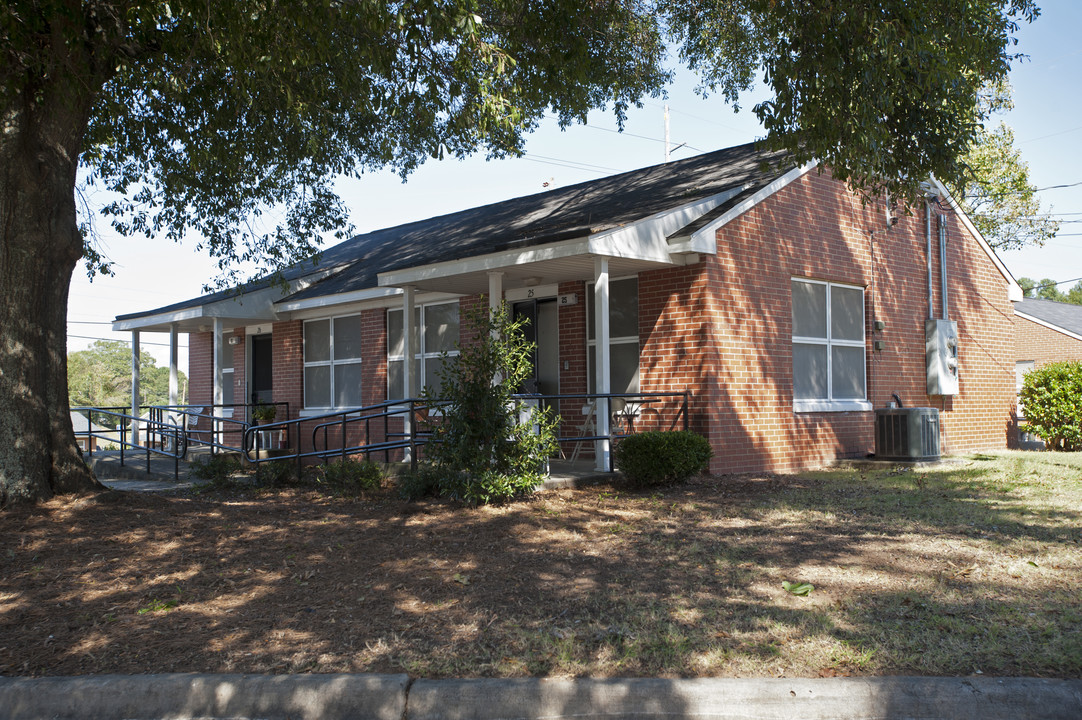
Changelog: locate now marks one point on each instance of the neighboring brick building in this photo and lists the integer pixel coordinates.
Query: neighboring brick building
(785, 307)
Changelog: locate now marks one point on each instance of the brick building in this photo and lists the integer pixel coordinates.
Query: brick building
(782, 304)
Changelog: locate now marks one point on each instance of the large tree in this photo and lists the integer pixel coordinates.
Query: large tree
(214, 116)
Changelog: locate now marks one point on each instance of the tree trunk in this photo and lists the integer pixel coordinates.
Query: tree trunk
(41, 130)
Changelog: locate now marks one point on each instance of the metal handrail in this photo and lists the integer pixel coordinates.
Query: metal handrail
(154, 427)
(413, 439)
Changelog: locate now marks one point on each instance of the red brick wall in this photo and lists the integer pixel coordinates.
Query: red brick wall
(1042, 344)
(200, 368)
(739, 304)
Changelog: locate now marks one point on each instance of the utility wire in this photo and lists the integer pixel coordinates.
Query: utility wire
(126, 342)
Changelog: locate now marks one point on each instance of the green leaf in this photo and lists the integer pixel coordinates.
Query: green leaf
(798, 588)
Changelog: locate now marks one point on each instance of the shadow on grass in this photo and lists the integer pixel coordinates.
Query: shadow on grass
(944, 572)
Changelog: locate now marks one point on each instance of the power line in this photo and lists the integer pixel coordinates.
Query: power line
(641, 137)
(126, 342)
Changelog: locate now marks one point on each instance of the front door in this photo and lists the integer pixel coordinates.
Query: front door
(542, 329)
(262, 370)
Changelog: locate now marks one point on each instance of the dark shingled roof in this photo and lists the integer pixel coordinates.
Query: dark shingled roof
(1062, 315)
(561, 214)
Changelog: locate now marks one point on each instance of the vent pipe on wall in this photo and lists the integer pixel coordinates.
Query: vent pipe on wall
(943, 263)
(928, 232)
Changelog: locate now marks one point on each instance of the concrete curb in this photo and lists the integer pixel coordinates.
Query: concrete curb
(393, 697)
(202, 697)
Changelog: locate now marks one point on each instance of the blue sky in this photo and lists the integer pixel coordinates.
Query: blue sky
(1047, 122)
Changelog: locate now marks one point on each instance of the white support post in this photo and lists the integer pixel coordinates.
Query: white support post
(174, 384)
(135, 386)
(495, 297)
(219, 392)
(409, 375)
(601, 359)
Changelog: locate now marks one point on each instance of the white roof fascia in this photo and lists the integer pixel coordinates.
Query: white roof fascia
(704, 240)
(326, 301)
(1014, 290)
(647, 239)
(138, 323)
(227, 307)
(481, 263)
(390, 300)
(1047, 324)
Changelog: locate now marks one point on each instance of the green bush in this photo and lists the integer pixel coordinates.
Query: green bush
(217, 470)
(350, 478)
(276, 473)
(652, 458)
(421, 483)
(1051, 399)
(488, 446)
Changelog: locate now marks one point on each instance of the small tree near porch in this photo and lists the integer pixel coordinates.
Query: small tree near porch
(488, 445)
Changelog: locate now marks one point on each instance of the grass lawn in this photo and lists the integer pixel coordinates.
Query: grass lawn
(968, 568)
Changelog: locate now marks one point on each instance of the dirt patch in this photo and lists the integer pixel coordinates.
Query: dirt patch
(683, 581)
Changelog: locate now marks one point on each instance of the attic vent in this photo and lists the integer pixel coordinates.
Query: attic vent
(910, 434)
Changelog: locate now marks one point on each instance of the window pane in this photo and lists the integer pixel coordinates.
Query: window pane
(441, 327)
(347, 385)
(624, 364)
(227, 387)
(809, 372)
(317, 386)
(394, 379)
(347, 337)
(847, 373)
(846, 313)
(624, 308)
(394, 333)
(623, 368)
(227, 352)
(432, 374)
(317, 341)
(809, 309)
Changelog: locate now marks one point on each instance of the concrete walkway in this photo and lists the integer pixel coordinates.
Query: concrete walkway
(396, 697)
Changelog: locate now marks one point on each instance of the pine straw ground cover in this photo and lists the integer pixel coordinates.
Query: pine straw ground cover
(974, 568)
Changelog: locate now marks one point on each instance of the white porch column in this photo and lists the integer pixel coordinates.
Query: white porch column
(219, 357)
(495, 297)
(174, 351)
(409, 375)
(495, 291)
(601, 358)
(135, 386)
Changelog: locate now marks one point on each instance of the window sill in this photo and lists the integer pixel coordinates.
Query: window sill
(825, 406)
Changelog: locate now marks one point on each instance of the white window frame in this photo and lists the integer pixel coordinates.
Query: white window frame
(422, 353)
(829, 404)
(330, 363)
(591, 374)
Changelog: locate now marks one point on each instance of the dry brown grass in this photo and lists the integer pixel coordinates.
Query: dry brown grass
(945, 572)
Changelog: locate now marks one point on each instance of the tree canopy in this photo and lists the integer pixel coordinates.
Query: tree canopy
(233, 119)
(101, 377)
(995, 189)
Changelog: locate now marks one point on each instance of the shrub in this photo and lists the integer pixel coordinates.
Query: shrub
(1051, 399)
(652, 458)
(350, 477)
(418, 484)
(217, 470)
(487, 445)
(276, 473)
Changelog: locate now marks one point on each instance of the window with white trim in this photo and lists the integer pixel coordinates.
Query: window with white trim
(829, 370)
(332, 362)
(623, 336)
(435, 339)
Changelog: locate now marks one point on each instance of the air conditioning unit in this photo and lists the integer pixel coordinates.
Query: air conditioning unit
(909, 434)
